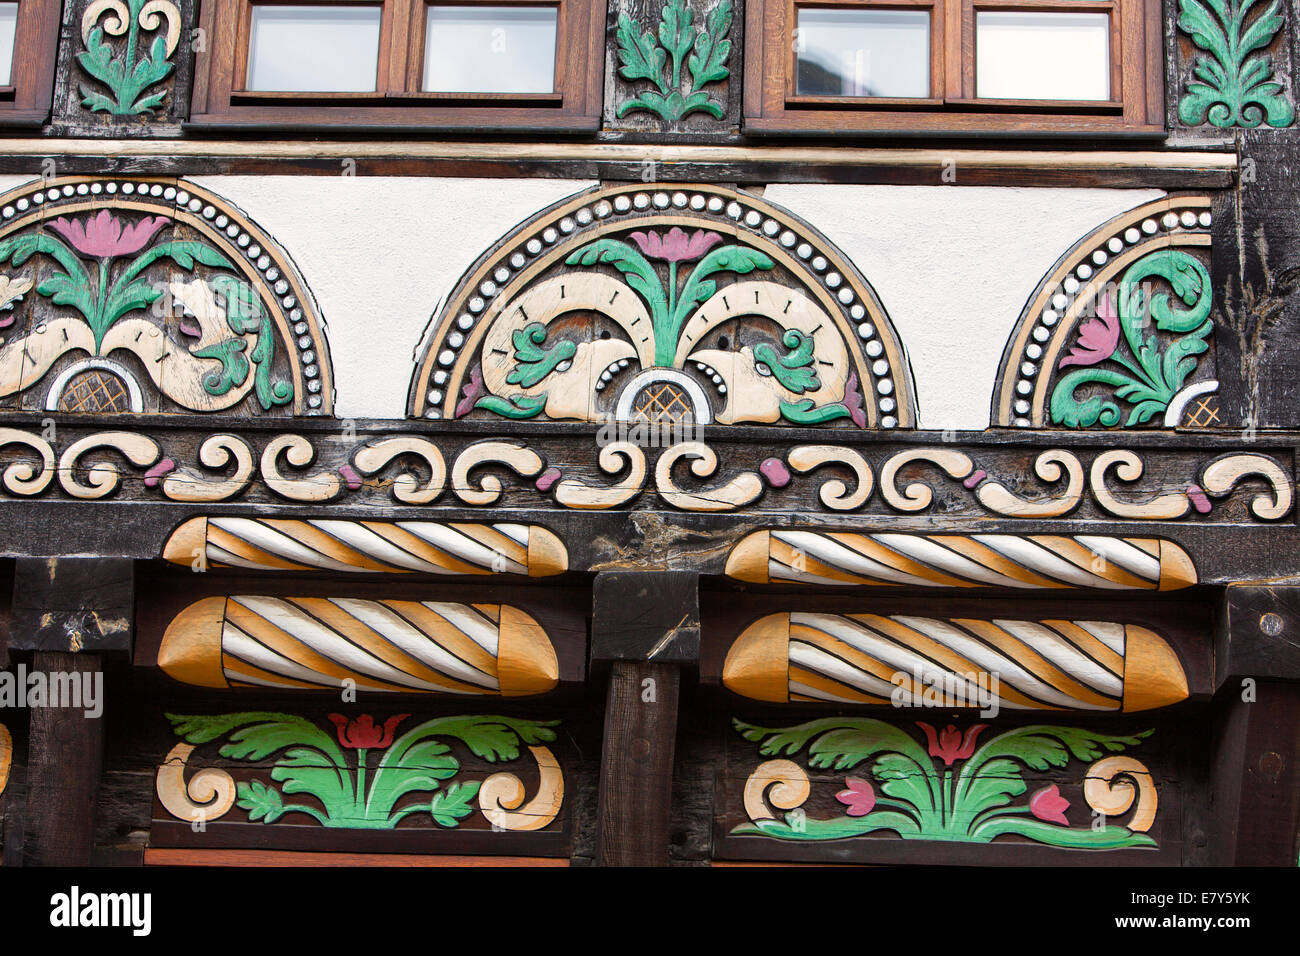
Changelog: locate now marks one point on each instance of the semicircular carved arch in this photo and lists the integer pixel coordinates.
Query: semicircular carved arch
(1119, 333)
(698, 304)
(120, 294)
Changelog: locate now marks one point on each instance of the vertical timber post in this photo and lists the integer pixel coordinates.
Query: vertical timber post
(645, 628)
(68, 612)
(1255, 764)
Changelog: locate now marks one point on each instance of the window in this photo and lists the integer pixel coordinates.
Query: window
(936, 66)
(485, 64)
(29, 33)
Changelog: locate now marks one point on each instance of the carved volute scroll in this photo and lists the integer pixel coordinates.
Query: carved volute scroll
(134, 295)
(1119, 333)
(695, 304)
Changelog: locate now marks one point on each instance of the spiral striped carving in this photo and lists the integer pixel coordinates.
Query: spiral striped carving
(426, 547)
(207, 796)
(1107, 789)
(6, 756)
(398, 646)
(501, 797)
(910, 661)
(962, 561)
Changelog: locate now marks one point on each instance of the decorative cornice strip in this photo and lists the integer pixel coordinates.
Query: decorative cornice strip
(798, 656)
(323, 544)
(399, 646)
(961, 561)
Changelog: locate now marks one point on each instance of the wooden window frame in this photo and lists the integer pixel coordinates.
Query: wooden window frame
(220, 98)
(26, 100)
(1135, 107)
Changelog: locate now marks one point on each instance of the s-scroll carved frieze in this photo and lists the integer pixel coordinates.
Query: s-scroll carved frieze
(121, 295)
(696, 305)
(1120, 333)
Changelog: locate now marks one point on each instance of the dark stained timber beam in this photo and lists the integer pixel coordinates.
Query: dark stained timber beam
(73, 604)
(65, 753)
(1255, 764)
(646, 628)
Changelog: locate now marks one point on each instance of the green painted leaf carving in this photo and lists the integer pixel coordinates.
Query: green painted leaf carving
(262, 802)
(1148, 378)
(453, 805)
(804, 412)
(129, 76)
(518, 408)
(535, 362)
(1233, 86)
(246, 315)
(636, 269)
(794, 369)
(660, 60)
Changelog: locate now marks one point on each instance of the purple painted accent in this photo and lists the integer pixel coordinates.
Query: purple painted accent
(547, 478)
(1199, 501)
(774, 470)
(350, 476)
(853, 401)
(1098, 338)
(675, 245)
(470, 393)
(979, 475)
(157, 471)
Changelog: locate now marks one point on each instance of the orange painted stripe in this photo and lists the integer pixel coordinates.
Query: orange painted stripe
(220, 538)
(831, 686)
(1036, 664)
(846, 652)
(446, 634)
(490, 537)
(891, 558)
(787, 555)
(422, 549)
(1085, 558)
(1090, 645)
(327, 544)
(985, 556)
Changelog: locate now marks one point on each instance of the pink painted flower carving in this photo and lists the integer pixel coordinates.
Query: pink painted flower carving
(949, 744)
(1048, 804)
(105, 235)
(859, 796)
(675, 246)
(1097, 337)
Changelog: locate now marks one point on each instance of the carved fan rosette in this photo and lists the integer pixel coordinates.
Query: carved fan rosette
(121, 295)
(692, 306)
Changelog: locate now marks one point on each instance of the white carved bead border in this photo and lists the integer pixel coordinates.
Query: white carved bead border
(605, 206)
(263, 255)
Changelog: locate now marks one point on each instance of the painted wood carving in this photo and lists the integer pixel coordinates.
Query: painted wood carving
(360, 772)
(681, 61)
(6, 757)
(1234, 83)
(124, 82)
(919, 782)
(150, 295)
(427, 547)
(901, 660)
(425, 647)
(961, 561)
(697, 305)
(977, 480)
(1119, 333)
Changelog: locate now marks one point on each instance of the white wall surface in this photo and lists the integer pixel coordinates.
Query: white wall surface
(378, 254)
(954, 266)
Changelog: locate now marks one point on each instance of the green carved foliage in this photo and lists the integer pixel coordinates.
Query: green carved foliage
(660, 58)
(129, 76)
(1234, 85)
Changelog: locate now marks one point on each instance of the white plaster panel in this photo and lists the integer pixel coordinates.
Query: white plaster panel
(953, 267)
(379, 254)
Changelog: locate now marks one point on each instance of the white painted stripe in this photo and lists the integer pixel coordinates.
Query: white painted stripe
(239, 644)
(837, 555)
(1108, 632)
(992, 661)
(278, 543)
(1044, 561)
(324, 641)
(460, 545)
(373, 545)
(815, 659)
(797, 688)
(930, 552)
(516, 532)
(1118, 551)
(478, 628)
(401, 634)
(1065, 656)
(222, 556)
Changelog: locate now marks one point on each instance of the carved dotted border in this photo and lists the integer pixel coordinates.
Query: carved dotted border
(181, 197)
(603, 208)
(1029, 359)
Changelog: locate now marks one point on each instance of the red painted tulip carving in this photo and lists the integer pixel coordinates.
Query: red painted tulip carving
(1048, 804)
(949, 744)
(106, 236)
(1097, 337)
(363, 733)
(859, 797)
(675, 246)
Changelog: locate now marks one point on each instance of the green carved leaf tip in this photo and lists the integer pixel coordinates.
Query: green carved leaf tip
(640, 57)
(449, 807)
(262, 802)
(534, 362)
(518, 408)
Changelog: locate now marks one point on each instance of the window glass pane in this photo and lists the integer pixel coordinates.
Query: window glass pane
(1042, 56)
(490, 50)
(863, 53)
(8, 21)
(333, 49)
